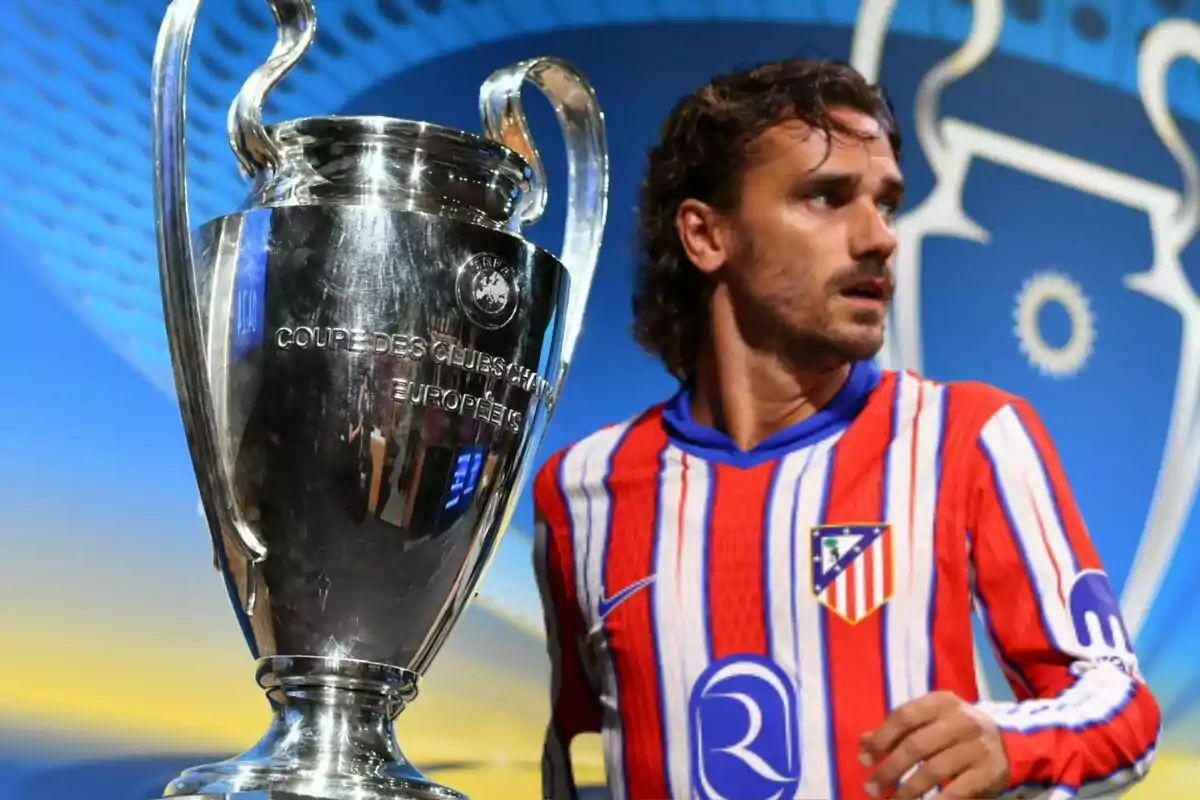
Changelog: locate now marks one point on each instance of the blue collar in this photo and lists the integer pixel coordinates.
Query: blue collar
(713, 445)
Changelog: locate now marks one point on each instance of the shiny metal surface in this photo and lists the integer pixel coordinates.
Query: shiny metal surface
(398, 163)
(370, 424)
(366, 357)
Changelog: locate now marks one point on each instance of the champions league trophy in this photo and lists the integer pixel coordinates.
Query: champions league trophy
(366, 357)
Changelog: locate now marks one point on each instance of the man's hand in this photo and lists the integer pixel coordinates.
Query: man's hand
(951, 743)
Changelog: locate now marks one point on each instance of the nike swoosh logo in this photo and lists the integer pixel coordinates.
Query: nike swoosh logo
(607, 604)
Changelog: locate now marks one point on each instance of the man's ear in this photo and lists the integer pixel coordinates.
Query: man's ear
(703, 234)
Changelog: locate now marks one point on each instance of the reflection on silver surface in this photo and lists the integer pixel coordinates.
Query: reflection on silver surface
(366, 357)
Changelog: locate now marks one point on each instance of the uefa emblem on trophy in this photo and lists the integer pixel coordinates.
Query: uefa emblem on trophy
(366, 357)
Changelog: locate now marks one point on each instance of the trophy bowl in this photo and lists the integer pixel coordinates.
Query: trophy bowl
(366, 357)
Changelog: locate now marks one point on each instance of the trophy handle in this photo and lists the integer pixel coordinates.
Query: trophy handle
(582, 124)
(296, 26)
(177, 276)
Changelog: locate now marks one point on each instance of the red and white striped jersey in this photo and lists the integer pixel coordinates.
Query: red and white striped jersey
(732, 622)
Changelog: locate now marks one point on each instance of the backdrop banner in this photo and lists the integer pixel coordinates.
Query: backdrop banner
(1047, 247)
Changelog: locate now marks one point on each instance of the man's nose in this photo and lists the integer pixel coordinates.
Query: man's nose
(872, 235)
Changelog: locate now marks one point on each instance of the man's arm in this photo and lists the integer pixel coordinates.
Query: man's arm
(574, 707)
(1085, 723)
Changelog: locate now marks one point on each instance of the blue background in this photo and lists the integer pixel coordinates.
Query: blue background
(120, 661)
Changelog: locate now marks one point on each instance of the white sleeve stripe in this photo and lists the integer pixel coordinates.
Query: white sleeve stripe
(583, 483)
(1025, 496)
(1096, 697)
(572, 478)
(581, 479)
(1039, 482)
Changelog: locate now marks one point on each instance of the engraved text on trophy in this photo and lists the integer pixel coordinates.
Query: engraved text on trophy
(417, 348)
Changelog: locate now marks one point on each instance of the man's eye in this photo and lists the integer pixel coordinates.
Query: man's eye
(821, 200)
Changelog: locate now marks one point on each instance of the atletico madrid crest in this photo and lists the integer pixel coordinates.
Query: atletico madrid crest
(852, 568)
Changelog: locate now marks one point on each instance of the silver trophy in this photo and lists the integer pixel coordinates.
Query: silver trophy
(366, 357)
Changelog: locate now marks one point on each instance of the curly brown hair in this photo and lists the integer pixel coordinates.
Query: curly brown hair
(701, 154)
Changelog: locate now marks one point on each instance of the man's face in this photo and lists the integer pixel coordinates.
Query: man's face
(810, 270)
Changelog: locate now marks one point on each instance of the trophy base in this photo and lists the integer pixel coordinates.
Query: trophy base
(331, 739)
(393, 787)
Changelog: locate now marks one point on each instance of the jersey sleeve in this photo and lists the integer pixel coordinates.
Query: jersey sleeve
(1085, 724)
(574, 706)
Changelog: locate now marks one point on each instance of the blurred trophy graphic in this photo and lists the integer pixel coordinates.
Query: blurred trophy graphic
(366, 357)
